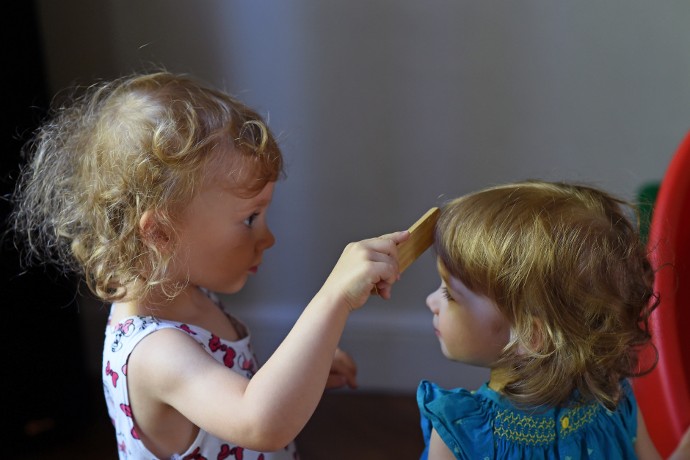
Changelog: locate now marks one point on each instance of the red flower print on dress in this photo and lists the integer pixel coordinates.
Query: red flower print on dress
(187, 329)
(196, 455)
(238, 452)
(126, 409)
(123, 329)
(215, 345)
(224, 452)
(246, 364)
(113, 375)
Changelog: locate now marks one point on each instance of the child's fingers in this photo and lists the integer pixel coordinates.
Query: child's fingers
(383, 252)
(388, 243)
(386, 247)
(366, 265)
(397, 237)
(385, 273)
(335, 381)
(383, 289)
(343, 371)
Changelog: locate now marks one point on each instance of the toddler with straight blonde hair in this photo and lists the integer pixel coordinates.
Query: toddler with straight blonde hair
(549, 286)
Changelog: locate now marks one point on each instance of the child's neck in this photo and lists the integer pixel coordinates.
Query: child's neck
(186, 303)
(190, 306)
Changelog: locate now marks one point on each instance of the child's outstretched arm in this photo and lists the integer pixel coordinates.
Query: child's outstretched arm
(268, 411)
(438, 450)
(682, 451)
(644, 447)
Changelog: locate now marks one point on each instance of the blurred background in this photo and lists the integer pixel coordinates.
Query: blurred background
(383, 109)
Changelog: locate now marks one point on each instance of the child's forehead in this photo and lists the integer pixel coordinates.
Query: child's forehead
(241, 174)
(227, 170)
(217, 195)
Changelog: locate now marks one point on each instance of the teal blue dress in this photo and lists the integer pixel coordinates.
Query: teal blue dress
(483, 425)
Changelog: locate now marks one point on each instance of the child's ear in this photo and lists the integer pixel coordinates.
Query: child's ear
(535, 343)
(153, 232)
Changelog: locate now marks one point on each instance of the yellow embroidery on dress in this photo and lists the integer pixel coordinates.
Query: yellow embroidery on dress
(578, 417)
(535, 430)
(524, 429)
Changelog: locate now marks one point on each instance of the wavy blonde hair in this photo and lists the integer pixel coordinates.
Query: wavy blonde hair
(565, 265)
(120, 148)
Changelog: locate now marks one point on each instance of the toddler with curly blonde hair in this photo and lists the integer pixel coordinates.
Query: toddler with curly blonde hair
(155, 188)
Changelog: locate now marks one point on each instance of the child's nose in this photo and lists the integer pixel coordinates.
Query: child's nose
(268, 240)
(432, 301)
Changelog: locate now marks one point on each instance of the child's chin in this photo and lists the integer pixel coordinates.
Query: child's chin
(446, 353)
(233, 288)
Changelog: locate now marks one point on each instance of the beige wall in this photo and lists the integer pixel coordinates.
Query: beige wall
(385, 108)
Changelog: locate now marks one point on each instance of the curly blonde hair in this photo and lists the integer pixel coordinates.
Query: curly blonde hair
(565, 265)
(120, 148)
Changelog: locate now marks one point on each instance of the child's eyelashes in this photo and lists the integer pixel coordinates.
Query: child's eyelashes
(446, 294)
(249, 221)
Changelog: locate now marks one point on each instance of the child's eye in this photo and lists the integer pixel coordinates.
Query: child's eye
(250, 220)
(446, 294)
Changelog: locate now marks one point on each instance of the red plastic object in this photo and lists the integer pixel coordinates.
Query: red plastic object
(664, 394)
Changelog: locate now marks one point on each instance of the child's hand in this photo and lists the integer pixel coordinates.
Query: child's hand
(366, 266)
(343, 371)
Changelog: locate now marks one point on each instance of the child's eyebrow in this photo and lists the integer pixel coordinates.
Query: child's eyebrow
(251, 204)
(261, 202)
(459, 290)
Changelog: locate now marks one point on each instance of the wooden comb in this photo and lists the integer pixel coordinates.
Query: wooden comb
(421, 237)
